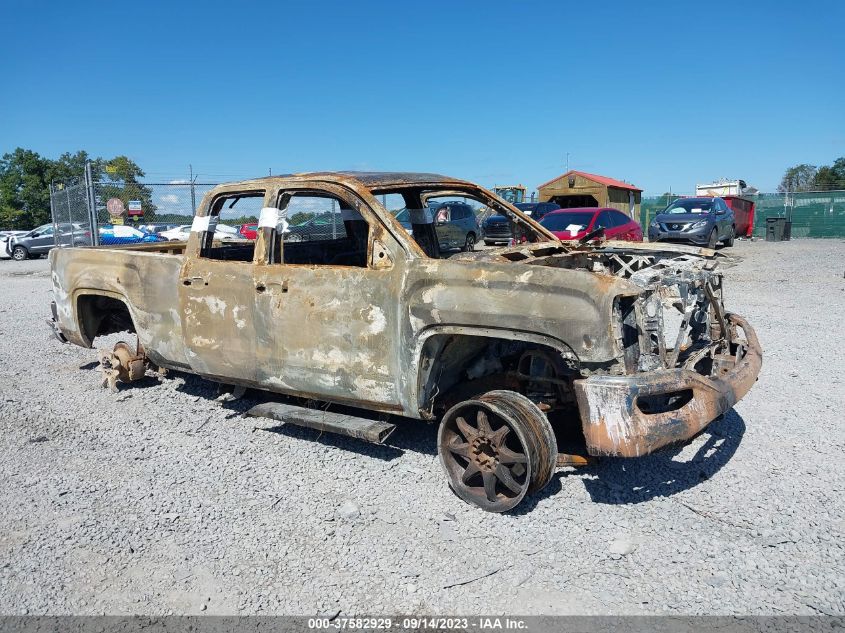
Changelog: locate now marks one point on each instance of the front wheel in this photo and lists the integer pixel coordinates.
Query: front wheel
(714, 239)
(469, 244)
(731, 236)
(19, 253)
(495, 449)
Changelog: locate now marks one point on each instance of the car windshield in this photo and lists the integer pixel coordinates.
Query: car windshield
(691, 205)
(567, 221)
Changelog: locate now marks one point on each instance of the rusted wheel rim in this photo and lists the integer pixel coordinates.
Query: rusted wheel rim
(484, 455)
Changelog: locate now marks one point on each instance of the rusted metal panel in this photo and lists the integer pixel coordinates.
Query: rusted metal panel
(615, 423)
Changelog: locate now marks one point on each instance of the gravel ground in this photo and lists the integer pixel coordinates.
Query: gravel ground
(160, 499)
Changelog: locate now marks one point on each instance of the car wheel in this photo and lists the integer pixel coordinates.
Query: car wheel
(294, 237)
(731, 236)
(469, 245)
(19, 253)
(714, 239)
(496, 448)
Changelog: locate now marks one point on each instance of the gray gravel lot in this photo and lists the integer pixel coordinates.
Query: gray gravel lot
(160, 499)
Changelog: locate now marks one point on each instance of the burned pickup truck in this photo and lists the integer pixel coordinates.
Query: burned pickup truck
(630, 342)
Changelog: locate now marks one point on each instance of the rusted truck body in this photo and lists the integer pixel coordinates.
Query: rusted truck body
(631, 338)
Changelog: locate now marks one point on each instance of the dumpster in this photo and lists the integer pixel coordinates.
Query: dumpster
(778, 229)
(743, 209)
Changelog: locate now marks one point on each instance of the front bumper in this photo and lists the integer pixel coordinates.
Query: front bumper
(696, 236)
(615, 424)
(497, 235)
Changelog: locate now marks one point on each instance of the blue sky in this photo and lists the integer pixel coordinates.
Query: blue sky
(663, 95)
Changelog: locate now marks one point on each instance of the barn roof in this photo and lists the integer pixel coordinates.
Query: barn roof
(604, 180)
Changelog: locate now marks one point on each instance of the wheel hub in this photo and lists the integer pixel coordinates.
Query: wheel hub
(484, 453)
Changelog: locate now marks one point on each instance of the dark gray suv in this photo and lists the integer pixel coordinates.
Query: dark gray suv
(40, 240)
(455, 224)
(699, 221)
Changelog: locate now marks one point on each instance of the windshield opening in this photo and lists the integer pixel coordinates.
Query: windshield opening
(446, 220)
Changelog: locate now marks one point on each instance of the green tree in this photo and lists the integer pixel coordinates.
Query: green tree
(830, 177)
(798, 178)
(300, 216)
(24, 189)
(25, 178)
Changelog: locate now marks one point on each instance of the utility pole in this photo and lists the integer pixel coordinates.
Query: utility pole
(567, 161)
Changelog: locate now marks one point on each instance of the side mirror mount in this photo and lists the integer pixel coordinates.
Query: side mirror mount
(381, 258)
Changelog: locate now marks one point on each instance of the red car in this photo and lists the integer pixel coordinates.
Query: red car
(573, 224)
(248, 231)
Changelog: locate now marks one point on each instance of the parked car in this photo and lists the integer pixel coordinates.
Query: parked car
(497, 230)
(183, 232)
(455, 224)
(40, 240)
(537, 209)
(226, 232)
(248, 231)
(121, 234)
(4, 238)
(324, 226)
(573, 224)
(155, 228)
(701, 221)
(177, 234)
(403, 216)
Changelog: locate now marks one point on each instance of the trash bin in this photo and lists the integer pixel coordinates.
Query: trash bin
(778, 229)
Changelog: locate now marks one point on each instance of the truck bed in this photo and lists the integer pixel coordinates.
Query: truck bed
(145, 277)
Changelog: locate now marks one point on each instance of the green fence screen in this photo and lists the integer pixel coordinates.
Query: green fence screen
(812, 213)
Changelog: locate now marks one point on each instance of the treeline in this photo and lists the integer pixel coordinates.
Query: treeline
(25, 178)
(805, 177)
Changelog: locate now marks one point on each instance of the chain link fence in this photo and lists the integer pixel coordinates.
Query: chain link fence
(128, 212)
(89, 212)
(71, 218)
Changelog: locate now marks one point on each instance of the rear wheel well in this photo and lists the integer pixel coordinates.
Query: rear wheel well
(455, 367)
(99, 315)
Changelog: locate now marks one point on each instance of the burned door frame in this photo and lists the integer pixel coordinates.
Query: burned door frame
(216, 299)
(349, 332)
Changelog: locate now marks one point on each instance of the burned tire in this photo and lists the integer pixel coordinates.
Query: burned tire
(495, 449)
